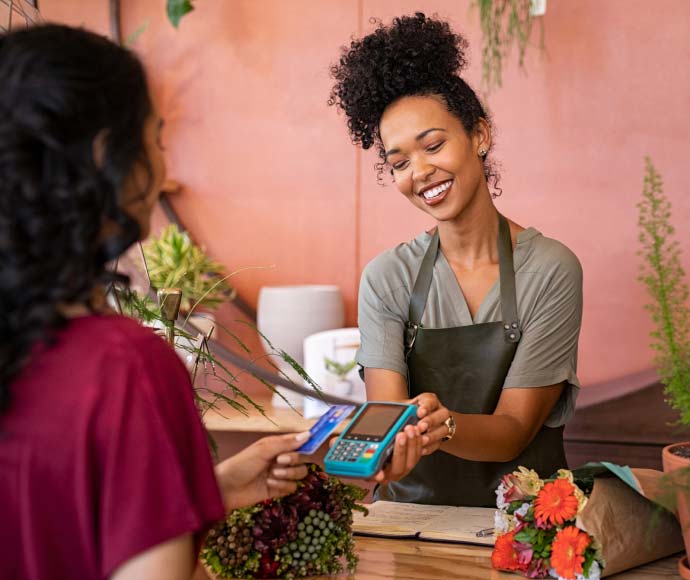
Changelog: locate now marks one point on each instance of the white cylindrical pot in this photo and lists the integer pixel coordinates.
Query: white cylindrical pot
(286, 315)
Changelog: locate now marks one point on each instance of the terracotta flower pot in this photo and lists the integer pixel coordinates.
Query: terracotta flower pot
(672, 462)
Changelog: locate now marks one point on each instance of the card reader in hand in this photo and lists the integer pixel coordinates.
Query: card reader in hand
(366, 444)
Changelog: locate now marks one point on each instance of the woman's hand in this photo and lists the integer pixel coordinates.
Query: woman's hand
(267, 468)
(432, 421)
(406, 453)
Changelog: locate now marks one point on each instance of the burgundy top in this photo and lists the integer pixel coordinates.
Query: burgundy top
(102, 454)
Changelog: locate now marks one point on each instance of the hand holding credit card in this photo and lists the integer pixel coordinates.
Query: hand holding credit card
(323, 428)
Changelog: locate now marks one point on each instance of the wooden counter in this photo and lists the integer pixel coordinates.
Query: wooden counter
(381, 558)
(416, 560)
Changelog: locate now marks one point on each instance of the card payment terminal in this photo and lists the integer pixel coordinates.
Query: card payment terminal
(367, 442)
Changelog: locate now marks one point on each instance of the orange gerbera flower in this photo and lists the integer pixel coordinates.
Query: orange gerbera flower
(556, 502)
(567, 551)
(505, 556)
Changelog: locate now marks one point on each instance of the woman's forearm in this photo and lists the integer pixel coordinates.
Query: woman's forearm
(487, 437)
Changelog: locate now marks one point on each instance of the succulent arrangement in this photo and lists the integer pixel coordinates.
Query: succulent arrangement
(306, 533)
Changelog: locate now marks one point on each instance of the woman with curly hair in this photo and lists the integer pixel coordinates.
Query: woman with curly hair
(476, 321)
(105, 470)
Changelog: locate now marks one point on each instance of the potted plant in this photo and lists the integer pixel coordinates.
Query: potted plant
(342, 385)
(174, 261)
(663, 275)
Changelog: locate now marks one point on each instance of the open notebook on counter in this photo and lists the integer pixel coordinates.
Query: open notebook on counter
(465, 525)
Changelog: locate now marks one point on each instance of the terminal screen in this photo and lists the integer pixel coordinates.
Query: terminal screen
(376, 421)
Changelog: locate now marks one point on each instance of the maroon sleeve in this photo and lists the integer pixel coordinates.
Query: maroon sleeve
(156, 475)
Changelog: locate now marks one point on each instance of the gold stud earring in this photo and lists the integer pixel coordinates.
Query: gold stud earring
(482, 152)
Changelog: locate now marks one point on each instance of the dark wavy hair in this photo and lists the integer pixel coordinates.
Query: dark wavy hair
(61, 88)
(415, 55)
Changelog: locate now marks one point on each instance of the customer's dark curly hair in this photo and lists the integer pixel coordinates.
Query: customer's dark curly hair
(415, 55)
(61, 88)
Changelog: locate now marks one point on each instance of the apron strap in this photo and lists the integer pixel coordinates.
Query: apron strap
(509, 312)
(420, 292)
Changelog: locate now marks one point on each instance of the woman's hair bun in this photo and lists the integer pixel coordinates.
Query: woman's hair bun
(413, 55)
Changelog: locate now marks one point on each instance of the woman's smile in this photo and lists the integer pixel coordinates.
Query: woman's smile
(435, 192)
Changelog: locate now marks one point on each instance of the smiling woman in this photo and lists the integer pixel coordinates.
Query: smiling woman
(476, 321)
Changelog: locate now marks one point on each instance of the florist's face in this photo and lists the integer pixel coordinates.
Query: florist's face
(435, 163)
(144, 184)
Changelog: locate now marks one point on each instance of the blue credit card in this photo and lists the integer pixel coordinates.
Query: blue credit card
(326, 424)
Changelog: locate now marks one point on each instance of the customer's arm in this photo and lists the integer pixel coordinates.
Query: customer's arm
(268, 468)
(171, 560)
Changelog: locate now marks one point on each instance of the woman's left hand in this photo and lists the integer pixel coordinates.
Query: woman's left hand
(432, 421)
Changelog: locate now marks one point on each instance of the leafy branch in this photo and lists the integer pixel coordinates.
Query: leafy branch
(663, 275)
(177, 9)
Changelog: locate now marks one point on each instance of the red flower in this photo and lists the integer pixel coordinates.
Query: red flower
(506, 555)
(567, 551)
(556, 503)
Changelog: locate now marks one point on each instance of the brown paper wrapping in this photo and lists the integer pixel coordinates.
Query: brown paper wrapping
(631, 529)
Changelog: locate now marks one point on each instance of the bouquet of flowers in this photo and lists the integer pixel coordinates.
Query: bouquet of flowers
(584, 524)
(302, 534)
(538, 525)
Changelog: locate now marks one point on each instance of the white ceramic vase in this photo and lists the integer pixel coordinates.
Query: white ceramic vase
(286, 315)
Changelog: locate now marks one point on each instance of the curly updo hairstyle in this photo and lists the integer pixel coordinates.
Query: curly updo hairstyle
(61, 88)
(414, 56)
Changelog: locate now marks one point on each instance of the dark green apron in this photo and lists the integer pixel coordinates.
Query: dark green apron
(466, 368)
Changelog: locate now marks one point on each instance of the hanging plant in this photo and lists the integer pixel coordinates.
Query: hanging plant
(504, 23)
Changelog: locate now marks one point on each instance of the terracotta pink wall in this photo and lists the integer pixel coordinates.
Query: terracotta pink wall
(271, 179)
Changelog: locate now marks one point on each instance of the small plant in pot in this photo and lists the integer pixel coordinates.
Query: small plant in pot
(664, 277)
(342, 386)
(173, 260)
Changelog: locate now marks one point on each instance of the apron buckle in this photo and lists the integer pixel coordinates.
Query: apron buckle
(410, 335)
(512, 331)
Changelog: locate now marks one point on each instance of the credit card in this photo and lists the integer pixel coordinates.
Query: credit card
(326, 424)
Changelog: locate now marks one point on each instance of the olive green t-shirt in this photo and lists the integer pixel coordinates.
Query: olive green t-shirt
(548, 279)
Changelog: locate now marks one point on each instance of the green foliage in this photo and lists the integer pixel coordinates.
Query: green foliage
(663, 275)
(174, 261)
(503, 24)
(135, 306)
(177, 9)
(340, 370)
